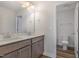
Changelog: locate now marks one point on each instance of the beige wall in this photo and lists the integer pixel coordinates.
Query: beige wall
(7, 20)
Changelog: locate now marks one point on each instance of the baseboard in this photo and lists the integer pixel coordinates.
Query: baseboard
(49, 55)
(69, 47)
(46, 54)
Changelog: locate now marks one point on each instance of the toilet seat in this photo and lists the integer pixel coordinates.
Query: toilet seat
(64, 42)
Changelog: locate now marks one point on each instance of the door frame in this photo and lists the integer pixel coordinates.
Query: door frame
(57, 26)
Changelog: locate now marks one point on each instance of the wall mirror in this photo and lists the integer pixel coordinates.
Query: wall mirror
(17, 17)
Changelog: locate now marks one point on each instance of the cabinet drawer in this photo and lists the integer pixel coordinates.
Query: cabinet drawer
(37, 39)
(25, 52)
(8, 48)
(11, 55)
(24, 43)
(14, 46)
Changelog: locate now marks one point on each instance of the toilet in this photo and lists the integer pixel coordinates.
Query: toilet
(64, 45)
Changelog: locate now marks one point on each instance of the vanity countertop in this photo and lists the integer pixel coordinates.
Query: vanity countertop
(12, 40)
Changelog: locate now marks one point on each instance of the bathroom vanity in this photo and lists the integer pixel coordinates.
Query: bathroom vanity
(31, 47)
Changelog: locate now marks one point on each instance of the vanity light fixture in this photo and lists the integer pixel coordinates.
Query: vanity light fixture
(26, 4)
(32, 6)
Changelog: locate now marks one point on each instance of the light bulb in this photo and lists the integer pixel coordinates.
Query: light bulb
(23, 6)
(26, 4)
(32, 7)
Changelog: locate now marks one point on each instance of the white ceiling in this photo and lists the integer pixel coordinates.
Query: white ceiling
(16, 5)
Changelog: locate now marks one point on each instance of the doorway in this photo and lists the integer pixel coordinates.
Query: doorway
(65, 30)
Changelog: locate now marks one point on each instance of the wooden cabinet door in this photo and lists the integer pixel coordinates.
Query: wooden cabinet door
(37, 49)
(41, 47)
(25, 52)
(11, 55)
